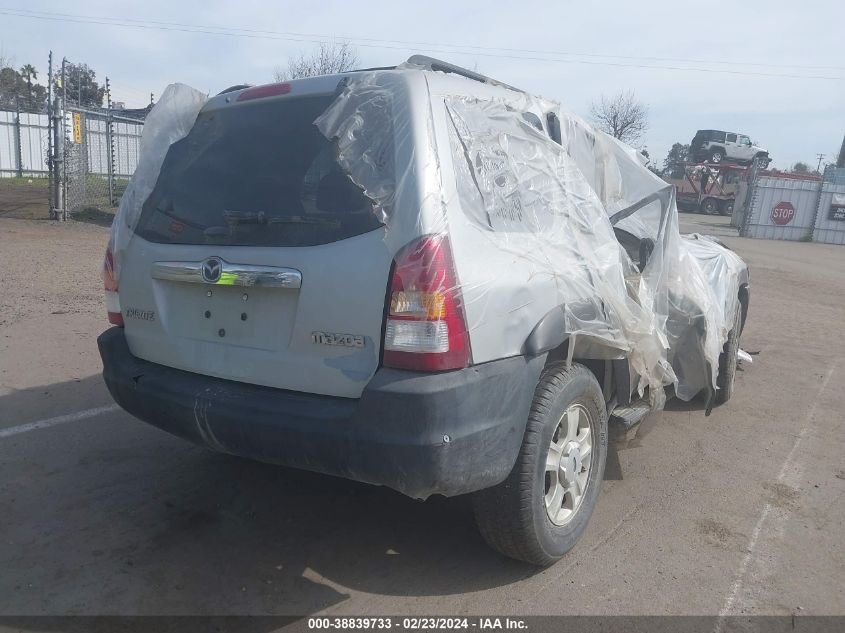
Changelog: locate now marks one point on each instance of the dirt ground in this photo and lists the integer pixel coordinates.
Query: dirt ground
(737, 513)
(24, 198)
(29, 198)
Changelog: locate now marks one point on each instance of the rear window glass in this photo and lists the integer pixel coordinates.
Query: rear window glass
(258, 174)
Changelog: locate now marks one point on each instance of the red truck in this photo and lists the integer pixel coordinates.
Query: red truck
(708, 188)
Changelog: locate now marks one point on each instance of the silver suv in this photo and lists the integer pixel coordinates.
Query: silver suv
(415, 277)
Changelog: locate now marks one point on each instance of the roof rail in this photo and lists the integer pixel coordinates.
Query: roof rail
(436, 64)
(366, 70)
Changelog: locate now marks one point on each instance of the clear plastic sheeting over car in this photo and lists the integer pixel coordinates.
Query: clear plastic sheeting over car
(579, 222)
(379, 144)
(464, 177)
(522, 191)
(168, 122)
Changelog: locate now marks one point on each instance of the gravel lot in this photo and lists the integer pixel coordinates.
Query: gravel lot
(738, 513)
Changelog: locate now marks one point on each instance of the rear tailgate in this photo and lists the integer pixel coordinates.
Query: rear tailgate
(275, 336)
(256, 259)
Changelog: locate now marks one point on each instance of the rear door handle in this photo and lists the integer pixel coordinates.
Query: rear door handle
(217, 271)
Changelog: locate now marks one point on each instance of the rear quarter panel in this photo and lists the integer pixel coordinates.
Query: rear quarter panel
(505, 294)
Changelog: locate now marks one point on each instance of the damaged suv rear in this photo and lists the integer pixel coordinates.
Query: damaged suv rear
(415, 277)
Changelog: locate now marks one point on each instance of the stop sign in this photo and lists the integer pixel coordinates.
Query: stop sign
(783, 213)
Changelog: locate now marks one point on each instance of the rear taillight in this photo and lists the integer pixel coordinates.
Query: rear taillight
(110, 286)
(426, 327)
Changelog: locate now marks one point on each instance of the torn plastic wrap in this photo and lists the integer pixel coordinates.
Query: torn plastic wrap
(169, 121)
(690, 282)
(535, 226)
(375, 122)
(492, 225)
(515, 180)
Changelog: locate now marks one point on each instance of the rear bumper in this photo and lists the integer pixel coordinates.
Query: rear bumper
(421, 434)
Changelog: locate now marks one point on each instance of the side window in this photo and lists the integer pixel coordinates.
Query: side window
(501, 184)
(554, 127)
(533, 120)
(731, 138)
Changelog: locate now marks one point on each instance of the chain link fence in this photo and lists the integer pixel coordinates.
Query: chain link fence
(100, 154)
(67, 144)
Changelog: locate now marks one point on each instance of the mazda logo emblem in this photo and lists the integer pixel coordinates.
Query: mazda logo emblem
(212, 268)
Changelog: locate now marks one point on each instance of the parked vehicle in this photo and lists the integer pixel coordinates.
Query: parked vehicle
(708, 188)
(716, 146)
(415, 277)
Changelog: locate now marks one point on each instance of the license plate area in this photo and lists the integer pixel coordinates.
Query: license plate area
(254, 317)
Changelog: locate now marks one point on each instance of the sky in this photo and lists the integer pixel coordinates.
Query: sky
(774, 70)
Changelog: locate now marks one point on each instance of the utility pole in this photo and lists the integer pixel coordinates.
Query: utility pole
(821, 158)
(152, 101)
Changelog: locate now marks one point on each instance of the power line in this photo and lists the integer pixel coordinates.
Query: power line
(389, 44)
(322, 37)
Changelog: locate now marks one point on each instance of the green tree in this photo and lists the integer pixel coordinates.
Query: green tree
(801, 168)
(16, 91)
(673, 164)
(81, 87)
(29, 73)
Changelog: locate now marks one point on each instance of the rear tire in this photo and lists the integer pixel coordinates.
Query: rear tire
(709, 206)
(728, 360)
(717, 155)
(727, 207)
(521, 517)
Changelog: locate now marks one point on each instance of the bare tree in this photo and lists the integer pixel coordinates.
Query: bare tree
(6, 60)
(621, 115)
(328, 59)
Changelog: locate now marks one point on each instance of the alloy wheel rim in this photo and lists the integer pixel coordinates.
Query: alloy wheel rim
(568, 464)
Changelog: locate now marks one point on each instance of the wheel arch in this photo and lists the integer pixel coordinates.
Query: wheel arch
(550, 337)
(744, 299)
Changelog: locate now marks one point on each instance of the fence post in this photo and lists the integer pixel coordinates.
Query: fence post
(110, 155)
(62, 169)
(750, 195)
(58, 211)
(50, 133)
(82, 167)
(110, 144)
(18, 150)
(811, 233)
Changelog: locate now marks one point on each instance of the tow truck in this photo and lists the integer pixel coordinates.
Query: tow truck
(708, 188)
